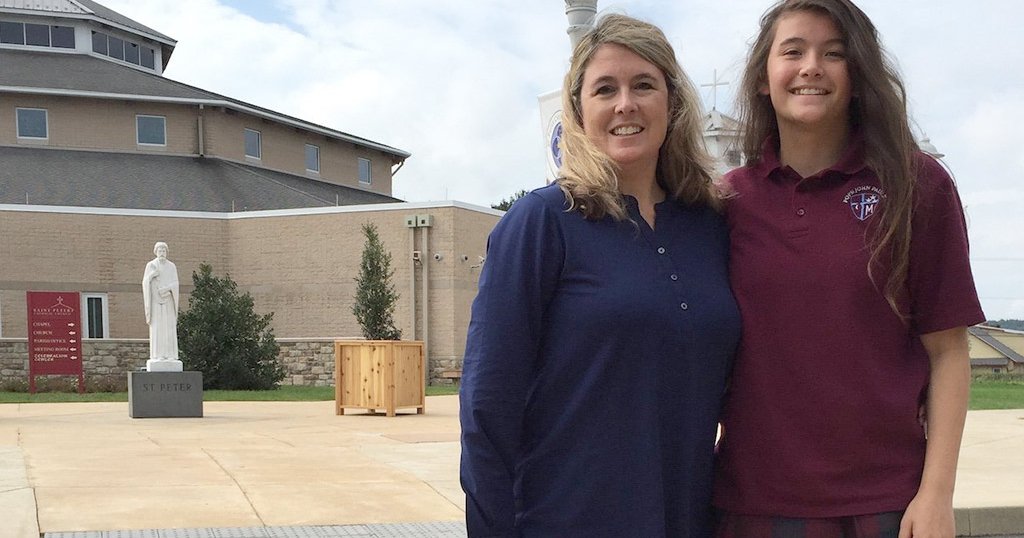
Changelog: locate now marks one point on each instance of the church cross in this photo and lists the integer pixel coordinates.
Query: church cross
(714, 89)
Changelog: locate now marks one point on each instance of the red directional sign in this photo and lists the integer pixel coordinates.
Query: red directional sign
(54, 335)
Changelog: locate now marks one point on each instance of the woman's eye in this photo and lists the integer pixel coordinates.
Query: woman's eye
(603, 90)
(644, 86)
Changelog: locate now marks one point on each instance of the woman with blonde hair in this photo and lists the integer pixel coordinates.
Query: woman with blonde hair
(849, 263)
(604, 327)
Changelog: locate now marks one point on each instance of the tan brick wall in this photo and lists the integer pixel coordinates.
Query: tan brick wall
(284, 149)
(300, 266)
(101, 254)
(100, 124)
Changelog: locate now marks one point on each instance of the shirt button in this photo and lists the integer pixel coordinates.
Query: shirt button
(674, 276)
(661, 250)
(801, 212)
(684, 306)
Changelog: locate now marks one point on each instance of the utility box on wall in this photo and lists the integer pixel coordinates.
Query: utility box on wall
(379, 374)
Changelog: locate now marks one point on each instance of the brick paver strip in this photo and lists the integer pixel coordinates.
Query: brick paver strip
(445, 529)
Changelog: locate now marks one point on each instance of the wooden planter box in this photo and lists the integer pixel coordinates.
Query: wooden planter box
(379, 374)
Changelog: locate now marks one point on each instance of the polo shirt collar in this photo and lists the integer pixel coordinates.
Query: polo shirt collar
(851, 162)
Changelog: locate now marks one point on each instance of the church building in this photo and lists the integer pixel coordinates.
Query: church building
(102, 156)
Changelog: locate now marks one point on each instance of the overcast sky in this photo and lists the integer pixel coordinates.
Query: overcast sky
(455, 83)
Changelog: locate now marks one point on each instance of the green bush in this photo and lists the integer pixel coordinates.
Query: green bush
(375, 294)
(223, 337)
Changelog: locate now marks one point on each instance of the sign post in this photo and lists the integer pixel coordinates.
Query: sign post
(54, 336)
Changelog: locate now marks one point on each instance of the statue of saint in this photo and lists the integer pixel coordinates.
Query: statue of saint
(160, 296)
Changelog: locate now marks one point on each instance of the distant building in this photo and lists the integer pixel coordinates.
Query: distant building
(103, 156)
(996, 351)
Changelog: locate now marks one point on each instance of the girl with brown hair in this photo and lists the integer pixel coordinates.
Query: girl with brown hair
(849, 263)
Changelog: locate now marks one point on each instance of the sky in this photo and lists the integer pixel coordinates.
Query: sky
(456, 82)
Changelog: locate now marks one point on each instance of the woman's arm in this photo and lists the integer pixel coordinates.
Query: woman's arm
(524, 259)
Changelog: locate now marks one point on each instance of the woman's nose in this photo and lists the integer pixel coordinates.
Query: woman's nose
(625, 103)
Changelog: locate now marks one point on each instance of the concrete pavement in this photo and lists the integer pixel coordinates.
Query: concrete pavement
(67, 469)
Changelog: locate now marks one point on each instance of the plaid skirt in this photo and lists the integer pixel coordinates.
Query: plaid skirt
(884, 525)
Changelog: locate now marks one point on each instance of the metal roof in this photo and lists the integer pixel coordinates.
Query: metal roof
(81, 75)
(43, 176)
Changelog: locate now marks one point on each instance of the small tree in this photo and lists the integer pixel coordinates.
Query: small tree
(223, 337)
(375, 294)
(505, 205)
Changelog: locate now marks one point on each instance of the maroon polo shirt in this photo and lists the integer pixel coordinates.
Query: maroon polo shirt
(821, 414)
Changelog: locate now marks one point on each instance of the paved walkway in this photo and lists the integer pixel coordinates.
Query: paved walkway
(296, 470)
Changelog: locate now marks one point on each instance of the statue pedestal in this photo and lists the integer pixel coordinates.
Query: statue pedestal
(163, 365)
(165, 394)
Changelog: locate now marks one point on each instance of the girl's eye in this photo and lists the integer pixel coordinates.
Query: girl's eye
(791, 52)
(836, 54)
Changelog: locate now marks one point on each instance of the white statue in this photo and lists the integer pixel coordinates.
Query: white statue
(160, 296)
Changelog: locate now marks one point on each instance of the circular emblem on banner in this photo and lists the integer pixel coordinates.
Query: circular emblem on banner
(556, 138)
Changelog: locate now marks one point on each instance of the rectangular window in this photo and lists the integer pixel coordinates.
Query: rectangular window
(37, 34)
(95, 315)
(62, 37)
(99, 43)
(312, 158)
(12, 33)
(115, 47)
(364, 171)
(32, 123)
(253, 144)
(151, 130)
(148, 58)
(131, 53)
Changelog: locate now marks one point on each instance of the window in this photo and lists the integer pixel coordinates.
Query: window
(732, 157)
(95, 316)
(37, 35)
(151, 130)
(115, 47)
(99, 43)
(312, 158)
(253, 144)
(364, 171)
(62, 37)
(12, 33)
(131, 53)
(32, 123)
(148, 58)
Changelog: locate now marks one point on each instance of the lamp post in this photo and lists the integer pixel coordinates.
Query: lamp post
(581, 15)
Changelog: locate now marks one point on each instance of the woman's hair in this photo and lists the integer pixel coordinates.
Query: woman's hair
(588, 176)
(878, 109)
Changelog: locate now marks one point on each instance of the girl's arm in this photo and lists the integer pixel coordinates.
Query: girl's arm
(930, 513)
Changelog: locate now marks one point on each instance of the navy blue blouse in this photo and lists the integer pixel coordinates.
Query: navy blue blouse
(594, 370)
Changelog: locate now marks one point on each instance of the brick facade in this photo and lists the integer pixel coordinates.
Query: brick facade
(298, 264)
(109, 125)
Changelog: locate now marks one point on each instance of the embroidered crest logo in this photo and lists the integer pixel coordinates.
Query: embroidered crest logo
(864, 201)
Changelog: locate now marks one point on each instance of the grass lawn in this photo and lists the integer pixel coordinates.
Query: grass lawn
(992, 394)
(287, 393)
(985, 394)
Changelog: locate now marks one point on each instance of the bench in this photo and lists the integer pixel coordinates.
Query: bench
(455, 375)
